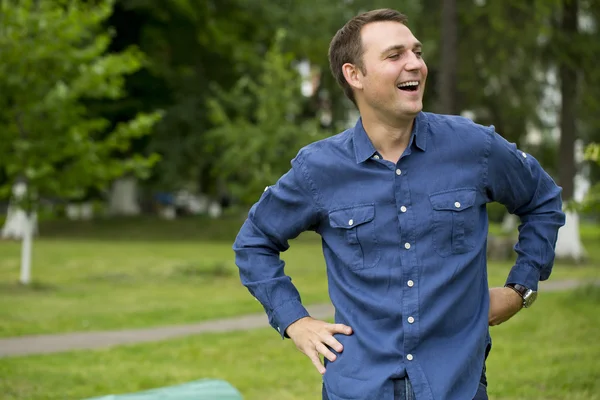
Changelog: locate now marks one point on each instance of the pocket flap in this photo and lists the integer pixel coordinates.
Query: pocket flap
(348, 218)
(456, 200)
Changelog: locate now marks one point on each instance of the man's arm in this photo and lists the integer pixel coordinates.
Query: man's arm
(284, 210)
(516, 180)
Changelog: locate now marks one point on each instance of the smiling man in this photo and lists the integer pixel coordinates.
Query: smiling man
(400, 203)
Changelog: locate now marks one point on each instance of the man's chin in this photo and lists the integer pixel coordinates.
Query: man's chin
(411, 109)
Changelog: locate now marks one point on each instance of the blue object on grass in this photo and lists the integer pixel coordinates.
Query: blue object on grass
(205, 389)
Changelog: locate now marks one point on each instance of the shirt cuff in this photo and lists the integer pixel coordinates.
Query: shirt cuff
(525, 275)
(286, 314)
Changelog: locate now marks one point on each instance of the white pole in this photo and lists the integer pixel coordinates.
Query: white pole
(26, 249)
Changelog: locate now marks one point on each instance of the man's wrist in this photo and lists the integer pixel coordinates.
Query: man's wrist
(515, 297)
(292, 326)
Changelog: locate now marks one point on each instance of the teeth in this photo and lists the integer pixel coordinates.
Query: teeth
(411, 83)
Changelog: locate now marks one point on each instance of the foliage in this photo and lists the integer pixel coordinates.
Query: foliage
(591, 202)
(258, 130)
(53, 63)
(191, 45)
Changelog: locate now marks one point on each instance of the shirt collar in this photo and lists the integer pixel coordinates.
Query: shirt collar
(364, 149)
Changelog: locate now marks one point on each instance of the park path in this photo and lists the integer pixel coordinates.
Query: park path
(45, 344)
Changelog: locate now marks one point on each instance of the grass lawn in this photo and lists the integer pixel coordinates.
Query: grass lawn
(140, 273)
(548, 352)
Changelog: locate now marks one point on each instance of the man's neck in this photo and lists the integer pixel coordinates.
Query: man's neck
(390, 138)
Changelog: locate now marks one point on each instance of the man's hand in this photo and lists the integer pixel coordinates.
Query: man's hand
(504, 303)
(312, 337)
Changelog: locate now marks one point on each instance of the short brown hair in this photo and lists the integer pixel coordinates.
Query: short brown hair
(346, 45)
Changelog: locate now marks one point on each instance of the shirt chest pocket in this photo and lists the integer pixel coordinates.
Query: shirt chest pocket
(355, 227)
(454, 221)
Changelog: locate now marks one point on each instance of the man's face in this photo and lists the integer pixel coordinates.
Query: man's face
(394, 81)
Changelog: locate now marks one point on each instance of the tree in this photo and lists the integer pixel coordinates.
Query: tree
(591, 202)
(190, 44)
(257, 130)
(53, 64)
(449, 59)
(566, 56)
(569, 78)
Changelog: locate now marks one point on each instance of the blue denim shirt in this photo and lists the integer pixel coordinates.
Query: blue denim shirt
(405, 248)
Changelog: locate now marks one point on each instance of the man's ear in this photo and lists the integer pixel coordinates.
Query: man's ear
(353, 75)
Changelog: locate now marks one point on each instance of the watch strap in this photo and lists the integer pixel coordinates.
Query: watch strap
(526, 294)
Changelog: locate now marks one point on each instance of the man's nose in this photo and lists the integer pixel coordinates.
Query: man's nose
(414, 63)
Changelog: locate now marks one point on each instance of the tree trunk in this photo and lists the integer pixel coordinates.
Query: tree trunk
(123, 198)
(568, 244)
(449, 63)
(18, 219)
(26, 245)
(21, 224)
(568, 90)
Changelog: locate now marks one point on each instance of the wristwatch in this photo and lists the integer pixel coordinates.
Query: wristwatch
(527, 294)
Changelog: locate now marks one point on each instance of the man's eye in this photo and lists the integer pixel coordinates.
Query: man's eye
(393, 56)
(419, 54)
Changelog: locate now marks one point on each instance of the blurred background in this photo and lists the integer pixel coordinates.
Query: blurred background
(136, 134)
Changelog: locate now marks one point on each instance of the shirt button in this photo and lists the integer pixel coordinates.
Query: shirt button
(411, 320)
(457, 204)
(523, 154)
(407, 246)
(376, 157)
(410, 283)
(398, 171)
(409, 357)
(403, 209)
(351, 222)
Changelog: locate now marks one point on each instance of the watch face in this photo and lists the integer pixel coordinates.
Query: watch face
(529, 298)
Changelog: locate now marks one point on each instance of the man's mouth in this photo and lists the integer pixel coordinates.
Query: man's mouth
(409, 86)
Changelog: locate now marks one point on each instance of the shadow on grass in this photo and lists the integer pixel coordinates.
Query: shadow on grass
(197, 271)
(34, 287)
(143, 229)
(148, 229)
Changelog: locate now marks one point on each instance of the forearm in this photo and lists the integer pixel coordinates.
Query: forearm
(262, 273)
(284, 211)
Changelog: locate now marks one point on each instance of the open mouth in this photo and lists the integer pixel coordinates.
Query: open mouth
(410, 86)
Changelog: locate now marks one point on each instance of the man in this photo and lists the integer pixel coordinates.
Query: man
(400, 203)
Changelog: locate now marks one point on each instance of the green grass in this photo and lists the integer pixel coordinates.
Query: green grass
(548, 352)
(111, 275)
(84, 285)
